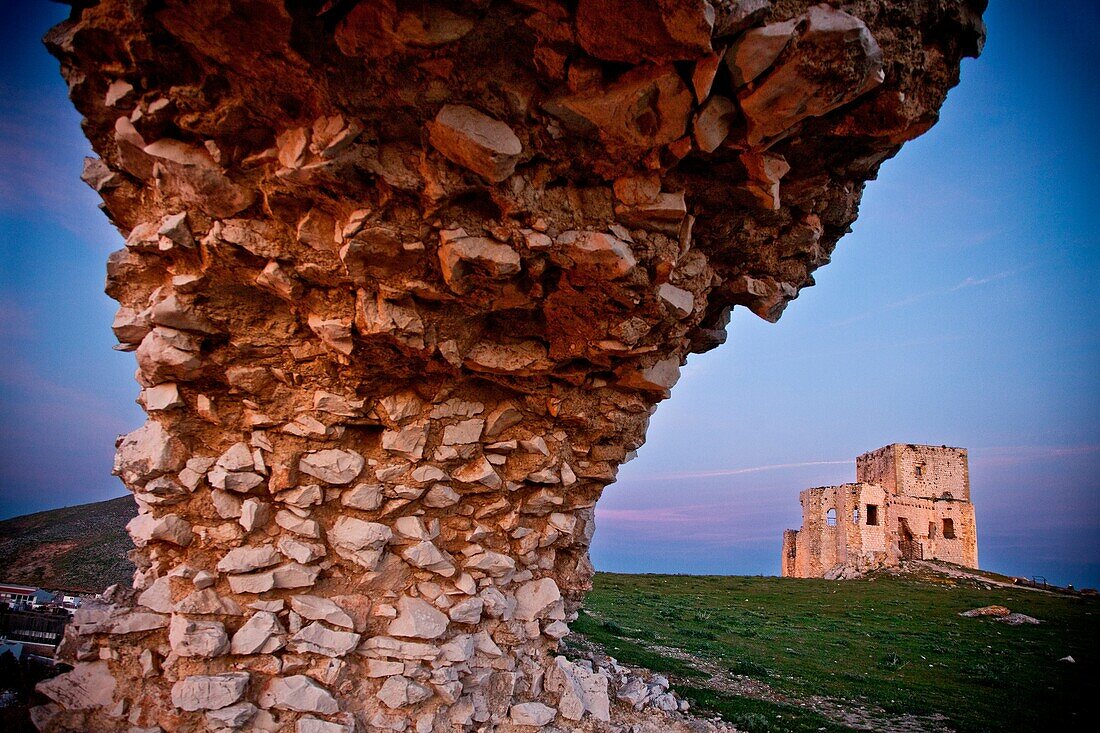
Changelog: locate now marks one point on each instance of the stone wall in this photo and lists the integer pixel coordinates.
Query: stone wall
(404, 282)
(917, 470)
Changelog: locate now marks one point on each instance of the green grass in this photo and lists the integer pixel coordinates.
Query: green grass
(896, 642)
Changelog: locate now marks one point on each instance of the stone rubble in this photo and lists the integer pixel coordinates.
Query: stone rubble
(404, 283)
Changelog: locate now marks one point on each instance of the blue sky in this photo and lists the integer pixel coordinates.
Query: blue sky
(961, 310)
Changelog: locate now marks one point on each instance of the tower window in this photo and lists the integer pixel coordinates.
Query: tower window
(948, 529)
(919, 471)
(830, 517)
(855, 515)
(872, 514)
(932, 530)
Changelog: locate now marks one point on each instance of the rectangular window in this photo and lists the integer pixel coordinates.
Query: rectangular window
(920, 471)
(872, 514)
(932, 530)
(948, 529)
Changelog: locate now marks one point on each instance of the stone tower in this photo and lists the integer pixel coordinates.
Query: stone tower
(404, 281)
(909, 502)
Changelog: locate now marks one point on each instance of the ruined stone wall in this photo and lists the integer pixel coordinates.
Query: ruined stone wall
(819, 547)
(404, 282)
(928, 471)
(879, 467)
(909, 525)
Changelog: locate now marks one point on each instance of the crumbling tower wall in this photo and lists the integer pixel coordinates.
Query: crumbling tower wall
(404, 282)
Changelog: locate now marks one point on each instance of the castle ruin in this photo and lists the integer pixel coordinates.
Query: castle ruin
(909, 502)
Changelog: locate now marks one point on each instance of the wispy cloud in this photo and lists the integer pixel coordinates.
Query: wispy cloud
(719, 472)
(969, 282)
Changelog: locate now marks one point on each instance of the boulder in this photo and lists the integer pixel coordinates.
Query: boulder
(233, 717)
(535, 598)
(146, 528)
(756, 50)
(148, 452)
(463, 256)
(399, 691)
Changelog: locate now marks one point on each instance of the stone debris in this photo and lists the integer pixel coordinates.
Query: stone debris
(403, 288)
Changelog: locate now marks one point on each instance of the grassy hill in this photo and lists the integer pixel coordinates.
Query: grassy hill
(79, 548)
(885, 653)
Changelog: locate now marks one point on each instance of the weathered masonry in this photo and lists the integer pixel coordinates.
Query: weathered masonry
(909, 502)
(404, 282)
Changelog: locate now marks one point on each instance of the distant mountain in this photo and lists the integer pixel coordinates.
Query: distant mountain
(76, 548)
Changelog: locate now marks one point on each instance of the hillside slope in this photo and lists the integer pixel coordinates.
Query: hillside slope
(888, 652)
(78, 548)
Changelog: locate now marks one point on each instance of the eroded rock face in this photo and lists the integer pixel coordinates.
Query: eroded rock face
(404, 282)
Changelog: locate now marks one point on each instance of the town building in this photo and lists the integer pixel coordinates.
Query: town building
(909, 502)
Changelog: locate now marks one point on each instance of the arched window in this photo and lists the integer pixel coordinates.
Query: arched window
(948, 529)
(830, 517)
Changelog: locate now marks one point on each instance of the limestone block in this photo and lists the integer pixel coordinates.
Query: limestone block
(535, 598)
(475, 141)
(146, 528)
(332, 466)
(89, 685)
(148, 452)
(532, 713)
(209, 692)
(192, 638)
(417, 619)
(232, 717)
(399, 691)
(298, 693)
(261, 634)
(247, 559)
(319, 639)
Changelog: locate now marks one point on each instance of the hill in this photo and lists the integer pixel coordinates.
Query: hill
(887, 653)
(77, 548)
